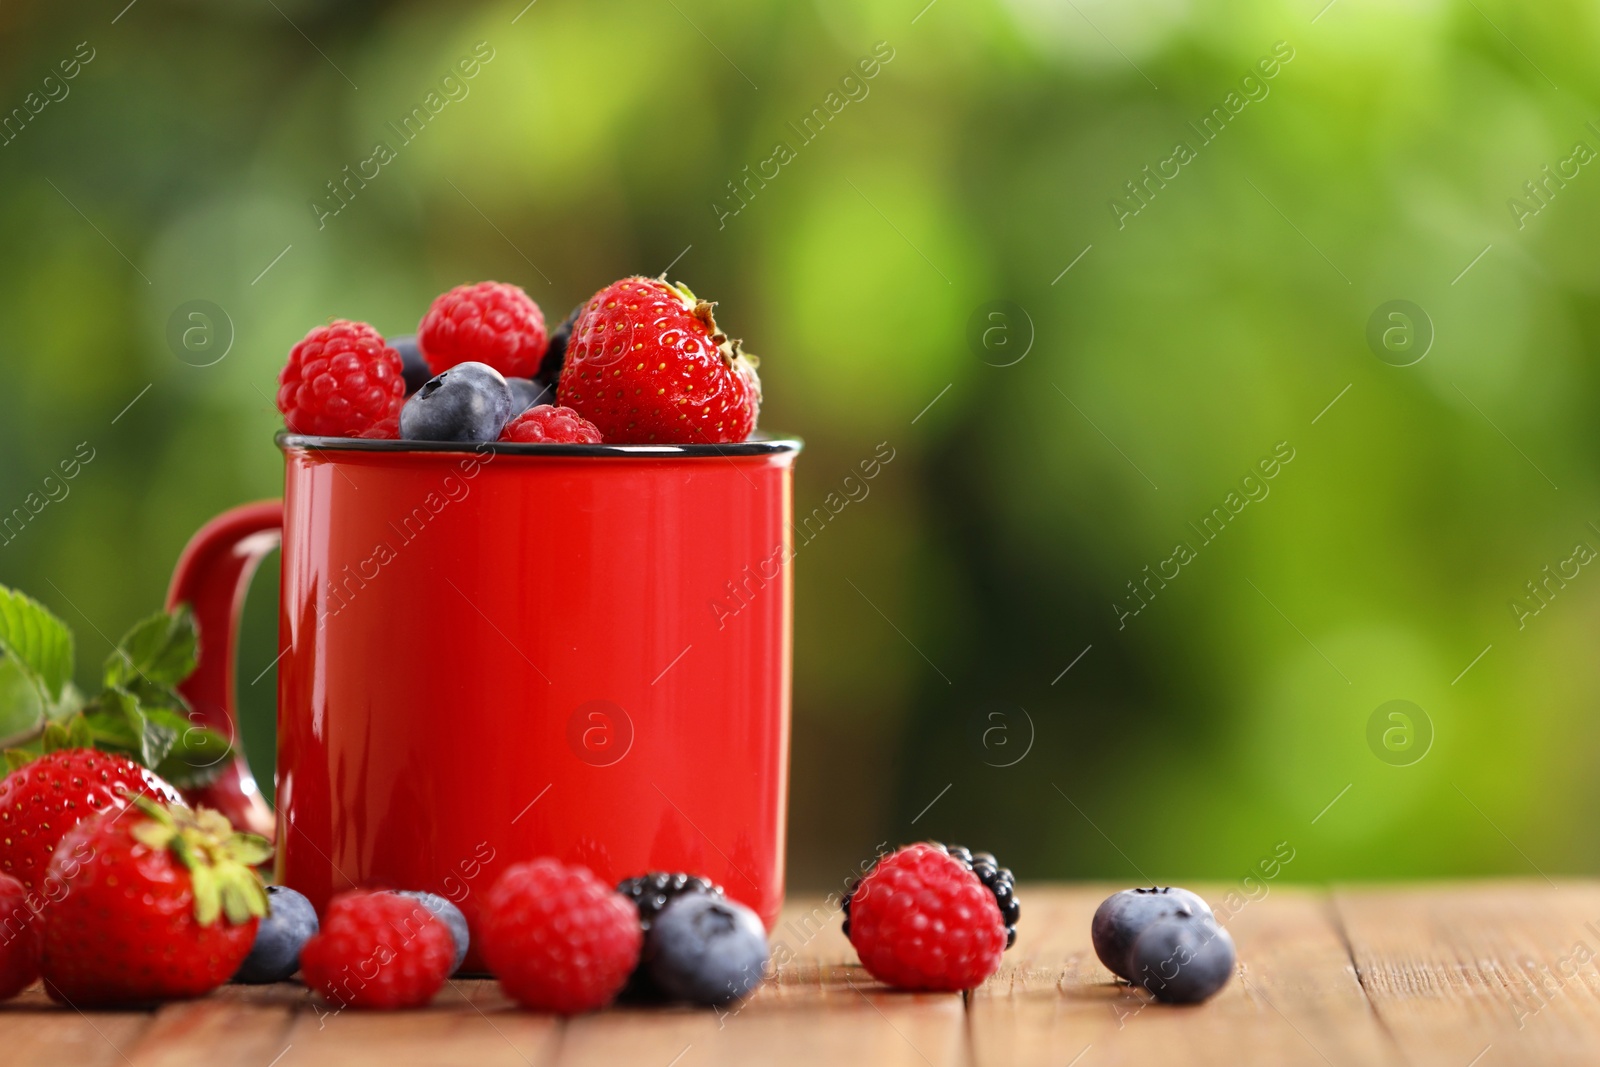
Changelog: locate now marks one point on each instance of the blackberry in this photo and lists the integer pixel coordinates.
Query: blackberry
(652, 892)
(414, 367)
(529, 392)
(555, 355)
(997, 879)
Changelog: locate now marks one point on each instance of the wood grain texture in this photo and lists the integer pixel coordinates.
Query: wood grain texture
(1487, 974)
(839, 1025)
(1295, 998)
(1457, 975)
(225, 1030)
(36, 1033)
(823, 1007)
(470, 1023)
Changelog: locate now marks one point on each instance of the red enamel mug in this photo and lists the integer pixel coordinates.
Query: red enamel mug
(498, 652)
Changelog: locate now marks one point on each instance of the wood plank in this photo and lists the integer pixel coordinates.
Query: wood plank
(470, 1022)
(823, 1007)
(871, 1026)
(1453, 975)
(242, 1026)
(34, 1032)
(1295, 998)
(1487, 973)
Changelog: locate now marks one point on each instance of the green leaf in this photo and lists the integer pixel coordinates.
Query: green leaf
(153, 657)
(38, 640)
(83, 730)
(78, 733)
(119, 720)
(17, 758)
(111, 730)
(70, 703)
(179, 750)
(56, 737)
(147, 734)
(22, 706)
(196, 755)
(157, 736)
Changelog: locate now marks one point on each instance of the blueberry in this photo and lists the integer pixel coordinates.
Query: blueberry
(1182, 959)
(705, 949)
(529, 392)
(413, 366)
(1125, 915)
(285, 929)
(468, 402)
(448, 914)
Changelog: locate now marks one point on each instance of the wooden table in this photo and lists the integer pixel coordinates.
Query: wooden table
(1459, 975)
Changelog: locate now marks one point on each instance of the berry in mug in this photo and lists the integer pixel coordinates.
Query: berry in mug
(647, 362)
(489, 322)
(468, 402)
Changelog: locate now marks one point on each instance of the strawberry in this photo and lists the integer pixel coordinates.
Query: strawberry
(646, 362)
(21, 939)
(42, 800)
(160, 904)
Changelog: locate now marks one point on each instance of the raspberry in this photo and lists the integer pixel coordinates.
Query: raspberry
(652, 892)
(998, 879)
(558, 938)
(921, 919)
(489, 322)
(378, 950)
(385, 429)
(548, 424)
(340, 381)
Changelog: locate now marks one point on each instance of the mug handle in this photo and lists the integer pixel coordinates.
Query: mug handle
(212, 577)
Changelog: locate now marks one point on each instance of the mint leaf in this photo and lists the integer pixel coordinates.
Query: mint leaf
(180, 751)
(197, 753)
(120, 721)
(112, 729)
(38, 640)
(87, 730)
(70, 704)
(154, 656)
(162, 729)
(22, 707)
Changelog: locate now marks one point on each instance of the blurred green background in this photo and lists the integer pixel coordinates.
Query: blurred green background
(1042, 458)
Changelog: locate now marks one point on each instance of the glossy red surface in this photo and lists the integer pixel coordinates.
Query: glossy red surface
(493, 657)
(212, 577)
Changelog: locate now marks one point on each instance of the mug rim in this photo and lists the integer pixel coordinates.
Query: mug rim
(764, 446)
